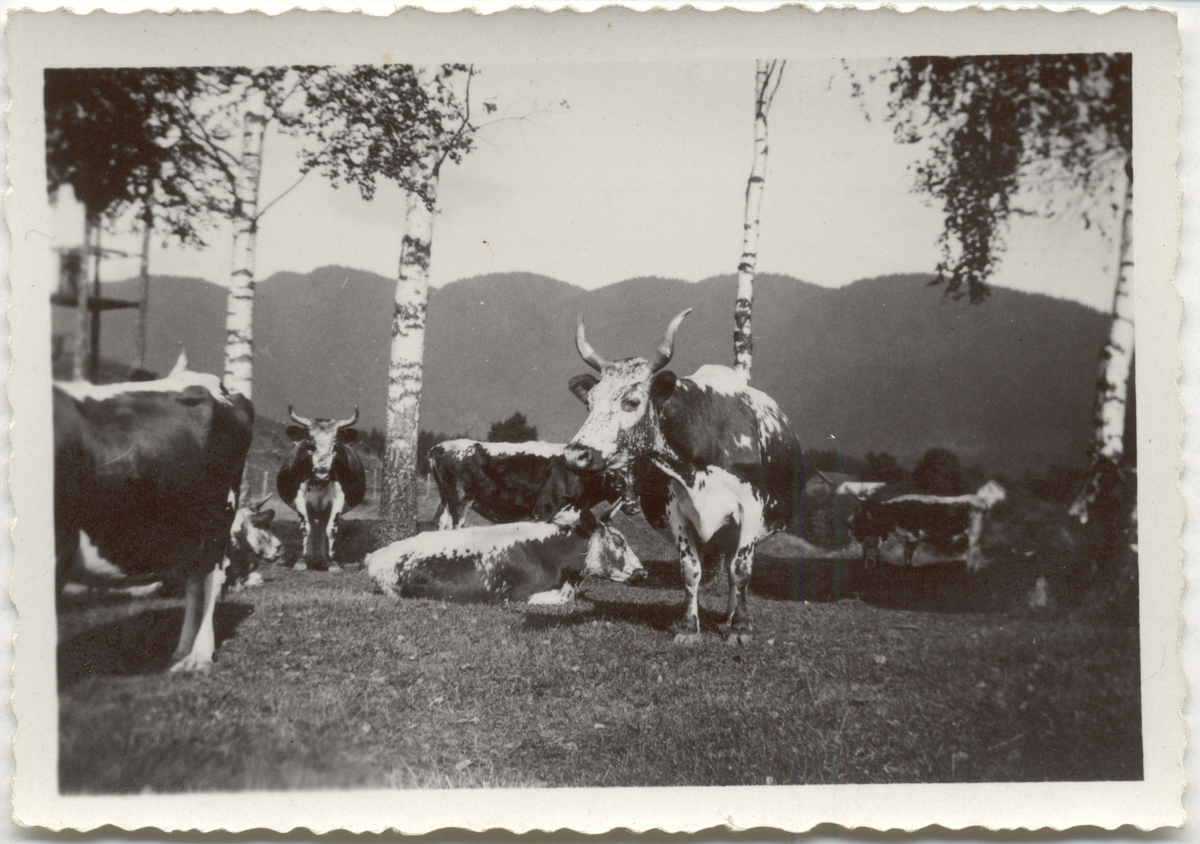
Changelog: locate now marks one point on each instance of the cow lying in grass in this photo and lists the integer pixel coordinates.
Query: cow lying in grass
(942, 521)
(251, 543)
(509, 562)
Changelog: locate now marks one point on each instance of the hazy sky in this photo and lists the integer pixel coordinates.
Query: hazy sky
(644, 173)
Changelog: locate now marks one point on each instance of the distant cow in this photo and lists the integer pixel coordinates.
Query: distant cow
(708, 454)
(250, 544)
(510, 482)
(146, 478)
(508, 562)
(941, 521)
(321, 478)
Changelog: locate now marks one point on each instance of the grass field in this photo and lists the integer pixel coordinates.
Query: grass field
(873, 677)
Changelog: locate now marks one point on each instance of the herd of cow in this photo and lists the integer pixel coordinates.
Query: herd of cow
(148, 474)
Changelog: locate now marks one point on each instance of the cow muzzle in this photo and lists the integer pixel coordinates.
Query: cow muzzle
(582, 458)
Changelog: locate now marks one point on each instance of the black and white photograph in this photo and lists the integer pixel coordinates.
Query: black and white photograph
(694, 412)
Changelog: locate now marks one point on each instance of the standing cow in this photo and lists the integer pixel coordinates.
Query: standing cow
(708, 454)
(146, 478)
(938, 520)
(321, 478)
(510, 482)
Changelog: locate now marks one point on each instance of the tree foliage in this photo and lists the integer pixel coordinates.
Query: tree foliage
(1012, 135)
(375, 123)
(514, 429)
(882, 467)
(939, 473)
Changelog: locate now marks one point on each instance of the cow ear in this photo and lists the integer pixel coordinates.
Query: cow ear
(587, 522)
(347, 435)
(662, 387)
(296, 433)
(581, 385)
(262, 518)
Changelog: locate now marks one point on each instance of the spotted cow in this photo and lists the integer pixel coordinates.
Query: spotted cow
(942, 521)
(251, 543)
(146, 478)
(708, 455)
(506, 562)
(510, 482)
(321, 478)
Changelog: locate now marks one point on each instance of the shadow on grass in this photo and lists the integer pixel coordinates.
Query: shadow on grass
(943, 587)
(138, 643)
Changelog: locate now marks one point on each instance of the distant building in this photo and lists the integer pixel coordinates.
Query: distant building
(826, 483)
(860, 489)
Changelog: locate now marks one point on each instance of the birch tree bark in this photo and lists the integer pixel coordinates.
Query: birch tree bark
(1112, 388)
(144, 274)
(398, 501)
(83, 322)
(766, 83)
(239, 309)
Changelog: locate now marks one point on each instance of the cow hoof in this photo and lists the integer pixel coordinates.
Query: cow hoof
(192, 662)
(688, 639)
(334, 569)
(301, 566)
(255, 579)
(734, 639)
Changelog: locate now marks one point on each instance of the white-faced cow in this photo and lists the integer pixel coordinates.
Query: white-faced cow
(506, 562)
(510, 482)
(942, 521)
(251, 543)
(708, 455)
(146, 478)
(321, 478)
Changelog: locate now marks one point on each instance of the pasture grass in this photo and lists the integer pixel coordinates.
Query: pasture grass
(323, 683)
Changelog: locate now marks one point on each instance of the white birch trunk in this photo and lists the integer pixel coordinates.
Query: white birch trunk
(743, 339)
(144, 273)
(398, 505)
(83, 322)
(1112, 390)
(239, 311)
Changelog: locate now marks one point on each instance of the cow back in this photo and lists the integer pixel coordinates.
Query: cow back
(711, 421)
(149, 475)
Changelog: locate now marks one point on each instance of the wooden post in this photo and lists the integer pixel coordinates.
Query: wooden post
(266, 488)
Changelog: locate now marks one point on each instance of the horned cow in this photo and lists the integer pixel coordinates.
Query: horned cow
(146, 478)
(321, 478)
(708, 455)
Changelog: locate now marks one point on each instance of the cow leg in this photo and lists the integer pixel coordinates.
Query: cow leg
(689, 564)
(198, 640)
(443, 517)
(300, 505)
(741, 564)
(333, 526)
(974, 529)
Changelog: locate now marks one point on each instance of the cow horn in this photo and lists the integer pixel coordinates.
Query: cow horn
(585, 349)
(298, 419)
(181, 363)
(667, 347)
(346, 423)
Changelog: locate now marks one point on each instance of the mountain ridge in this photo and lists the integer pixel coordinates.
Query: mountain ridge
(883, 364)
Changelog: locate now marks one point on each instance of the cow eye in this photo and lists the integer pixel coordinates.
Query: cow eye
(631, 403)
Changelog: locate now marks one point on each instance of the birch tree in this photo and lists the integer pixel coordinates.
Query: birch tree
(1020, 135)
(767, 77)
(398, 124)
